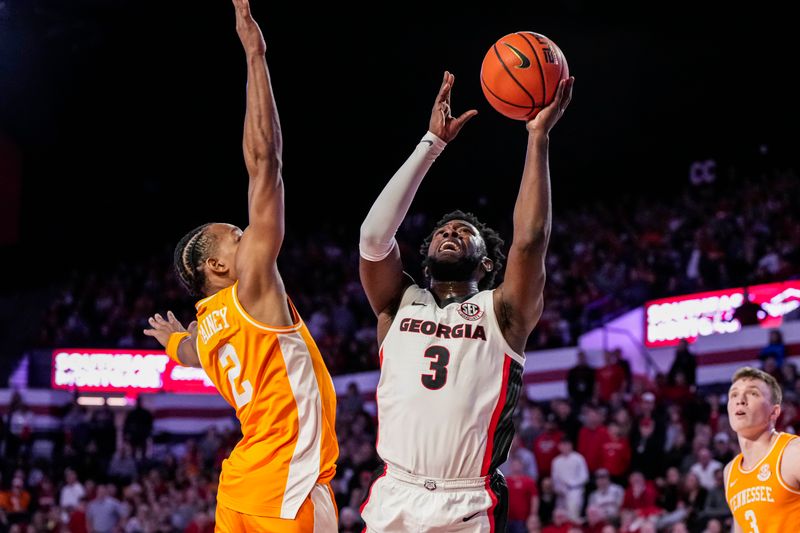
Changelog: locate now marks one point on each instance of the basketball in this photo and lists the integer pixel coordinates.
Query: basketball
(520, 74)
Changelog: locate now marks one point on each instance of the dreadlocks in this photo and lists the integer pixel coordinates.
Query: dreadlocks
(494, 244)
(190, 254)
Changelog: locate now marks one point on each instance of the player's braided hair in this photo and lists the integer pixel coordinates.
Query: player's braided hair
(494, 244)
(190, 254)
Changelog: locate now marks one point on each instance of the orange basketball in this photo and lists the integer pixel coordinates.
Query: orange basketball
(520, 74)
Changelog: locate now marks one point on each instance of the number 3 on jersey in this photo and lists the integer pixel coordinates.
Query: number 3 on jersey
(243, 397)
(440, 356)
(750, 516)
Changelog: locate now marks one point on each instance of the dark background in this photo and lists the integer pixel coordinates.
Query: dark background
(126, 116)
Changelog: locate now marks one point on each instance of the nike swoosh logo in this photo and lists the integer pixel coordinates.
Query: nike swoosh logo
(427, 141)
(418, 303)
(524, 62)
(470, 517)
(733, 483)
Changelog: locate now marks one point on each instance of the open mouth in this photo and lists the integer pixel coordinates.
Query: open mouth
(740, 413)
(449, 246)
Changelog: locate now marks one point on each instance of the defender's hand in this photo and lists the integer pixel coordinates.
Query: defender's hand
(162, 329)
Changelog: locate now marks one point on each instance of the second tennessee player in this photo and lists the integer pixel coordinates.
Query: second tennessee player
(762, 484)
(254, 346)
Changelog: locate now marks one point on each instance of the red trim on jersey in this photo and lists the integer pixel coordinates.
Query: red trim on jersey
(490, 510)
(501, 402)
(377, 418)
(369, 494)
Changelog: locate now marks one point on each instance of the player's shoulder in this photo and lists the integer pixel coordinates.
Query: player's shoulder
(792, 448)
(726, 470)
(414, 293)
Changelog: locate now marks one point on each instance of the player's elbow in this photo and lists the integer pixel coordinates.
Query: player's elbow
(371, 236)
(532, 242)
(265, 161)
(368, 236)
(264, 186)
(262, 151)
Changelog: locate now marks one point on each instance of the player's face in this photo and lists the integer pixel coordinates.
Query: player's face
(750, 407)
(456, 240)
(455, 252)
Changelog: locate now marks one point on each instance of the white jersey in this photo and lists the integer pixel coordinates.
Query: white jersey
(449, 383)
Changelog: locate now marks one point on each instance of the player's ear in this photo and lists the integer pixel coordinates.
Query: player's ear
(776, 414)
(488, 264)
(216, 265)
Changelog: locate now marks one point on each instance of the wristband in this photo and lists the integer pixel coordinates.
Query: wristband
(175, 340)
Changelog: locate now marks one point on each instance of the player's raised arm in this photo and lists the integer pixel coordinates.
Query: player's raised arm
(519, 300)
(381, 267)
(263, 147)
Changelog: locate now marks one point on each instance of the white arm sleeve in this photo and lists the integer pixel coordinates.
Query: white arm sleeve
(387, 213)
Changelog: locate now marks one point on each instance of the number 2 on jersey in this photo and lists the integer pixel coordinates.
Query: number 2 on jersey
(440, 356)
(750, 516)
(243, 397)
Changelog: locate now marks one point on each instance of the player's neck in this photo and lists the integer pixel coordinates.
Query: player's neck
(447, 292)
(753, 450)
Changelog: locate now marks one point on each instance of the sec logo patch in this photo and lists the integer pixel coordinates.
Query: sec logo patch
(470, 311)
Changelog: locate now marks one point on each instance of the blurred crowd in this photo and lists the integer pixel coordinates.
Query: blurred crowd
(622, 454)
(625, 454)
(603, 259)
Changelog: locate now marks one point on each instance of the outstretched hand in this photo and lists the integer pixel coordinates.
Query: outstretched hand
(162, 329)
(248, 30)
(547, 117)
(443, 124)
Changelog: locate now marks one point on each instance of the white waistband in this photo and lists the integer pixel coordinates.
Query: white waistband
(433, 483)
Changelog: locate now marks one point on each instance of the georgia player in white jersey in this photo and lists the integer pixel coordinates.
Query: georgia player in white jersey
(452, 354)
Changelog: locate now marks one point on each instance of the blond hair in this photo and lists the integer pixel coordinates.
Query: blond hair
(748, 372)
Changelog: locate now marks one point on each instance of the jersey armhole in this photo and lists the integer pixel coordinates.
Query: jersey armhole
(727, 479)
(260, 325)
(519, 358)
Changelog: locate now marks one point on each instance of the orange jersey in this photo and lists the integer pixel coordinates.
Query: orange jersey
(759, 498)
(284, 398)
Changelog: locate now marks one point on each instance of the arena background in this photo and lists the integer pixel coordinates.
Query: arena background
(120, 129)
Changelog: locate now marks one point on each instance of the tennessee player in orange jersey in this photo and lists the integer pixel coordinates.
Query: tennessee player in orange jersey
(762, 484)
(252, 343)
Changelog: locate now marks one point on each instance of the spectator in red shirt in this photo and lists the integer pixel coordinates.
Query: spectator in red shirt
(561, 522)
(677, 392)
(523, 497)
(592, 438)
(609, 379)
(202, 522)
(77, 518)
(640, 496)
(595, 520)
(616, 453)
(545, 446)
(46, 494)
